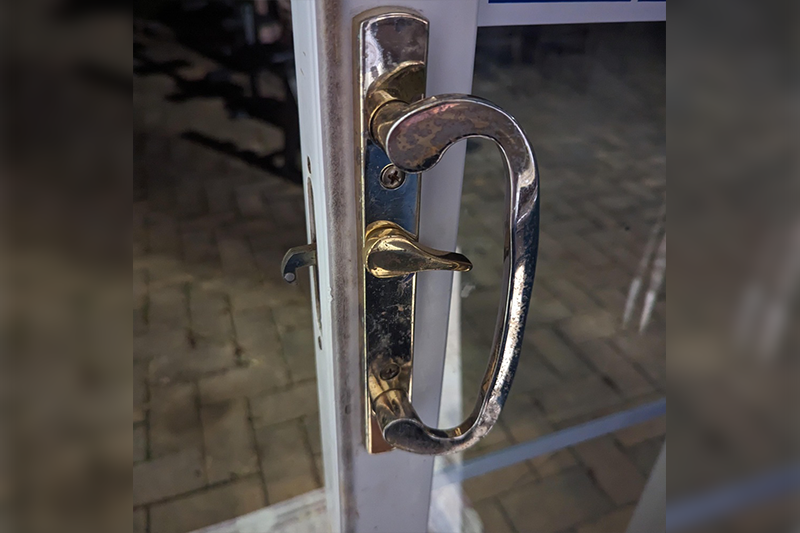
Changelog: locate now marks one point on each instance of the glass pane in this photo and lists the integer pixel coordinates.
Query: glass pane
(225, 408)
(592, 101)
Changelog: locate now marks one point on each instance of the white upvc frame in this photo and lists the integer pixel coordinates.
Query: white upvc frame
(389, 491)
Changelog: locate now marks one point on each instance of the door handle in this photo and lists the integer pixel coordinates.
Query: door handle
(402, 134)
(390, 252)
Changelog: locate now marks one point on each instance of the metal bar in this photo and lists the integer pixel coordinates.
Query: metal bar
(549, 443)
(721, 502)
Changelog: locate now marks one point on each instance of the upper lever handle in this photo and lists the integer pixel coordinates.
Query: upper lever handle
(415, 136)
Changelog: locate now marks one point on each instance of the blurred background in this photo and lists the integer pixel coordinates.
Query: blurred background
(222, 376)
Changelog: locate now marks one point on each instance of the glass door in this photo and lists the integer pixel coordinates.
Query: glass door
(592, 99)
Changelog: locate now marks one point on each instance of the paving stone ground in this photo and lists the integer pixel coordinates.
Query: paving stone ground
(225, 409)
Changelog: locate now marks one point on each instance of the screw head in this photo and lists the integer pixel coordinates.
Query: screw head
(392, 177)
(390, 371)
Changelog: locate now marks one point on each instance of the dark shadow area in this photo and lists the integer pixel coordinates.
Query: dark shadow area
(243, 38)
(73, 9)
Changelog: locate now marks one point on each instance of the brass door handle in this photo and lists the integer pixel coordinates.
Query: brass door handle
(415, 136)
(390, 252)
(404, 129)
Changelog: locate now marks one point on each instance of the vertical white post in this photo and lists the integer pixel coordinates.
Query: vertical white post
(391, 491)
(447, 503)
(650, 515)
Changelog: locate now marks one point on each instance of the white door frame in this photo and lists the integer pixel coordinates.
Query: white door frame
(389, 491)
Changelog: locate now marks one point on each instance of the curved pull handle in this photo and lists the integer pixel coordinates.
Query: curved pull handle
(415, 136)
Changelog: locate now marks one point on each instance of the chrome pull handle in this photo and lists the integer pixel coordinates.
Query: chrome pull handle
(399, 127)
(415, 136)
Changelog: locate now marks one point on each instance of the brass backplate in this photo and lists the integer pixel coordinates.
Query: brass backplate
(391, 54)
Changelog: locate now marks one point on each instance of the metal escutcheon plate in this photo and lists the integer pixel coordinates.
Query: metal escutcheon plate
(387, 43)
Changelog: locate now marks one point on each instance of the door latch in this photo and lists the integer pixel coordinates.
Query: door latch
(400, 134)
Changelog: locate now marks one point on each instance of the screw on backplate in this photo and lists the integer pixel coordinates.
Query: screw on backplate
(392, 177)
(390, 371)
(289, 277)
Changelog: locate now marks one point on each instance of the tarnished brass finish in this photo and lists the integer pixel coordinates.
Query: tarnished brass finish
(403, 84)
(399, 127)
(391, 56)
(390, 252)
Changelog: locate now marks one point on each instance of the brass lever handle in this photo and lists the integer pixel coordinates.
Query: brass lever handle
(390, 251)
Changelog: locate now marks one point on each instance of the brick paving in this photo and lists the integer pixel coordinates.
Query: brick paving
(225, 409)
(225, 392)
